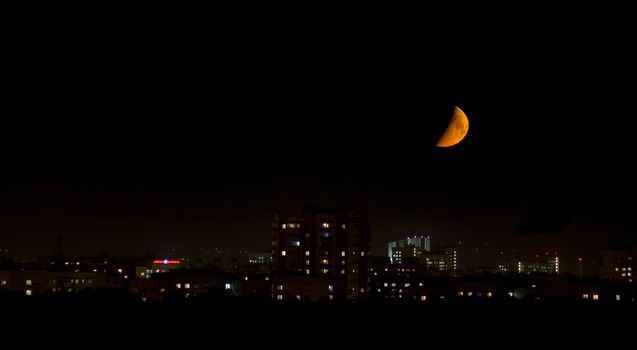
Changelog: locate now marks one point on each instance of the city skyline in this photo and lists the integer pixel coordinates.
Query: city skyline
(200, 149)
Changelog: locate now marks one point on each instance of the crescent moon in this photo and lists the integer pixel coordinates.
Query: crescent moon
(456, 130)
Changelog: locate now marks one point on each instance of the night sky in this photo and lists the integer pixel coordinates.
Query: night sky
(143, 139)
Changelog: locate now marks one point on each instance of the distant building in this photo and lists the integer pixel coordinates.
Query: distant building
(38, 281)
(194, 282)
(549, 263)
(392, 281)
(260, 258)
(409, 247)
(165, 265)
(302, 287)
(441, 260)
(333, 243)
(618, 265)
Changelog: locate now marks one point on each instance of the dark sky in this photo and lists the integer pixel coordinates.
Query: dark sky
(147, 137)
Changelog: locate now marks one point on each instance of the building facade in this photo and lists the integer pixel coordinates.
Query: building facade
(409, 247)
(549, 263)
(332, 243)
(617, 265)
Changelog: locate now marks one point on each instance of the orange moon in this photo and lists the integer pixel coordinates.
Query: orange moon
(456, 130)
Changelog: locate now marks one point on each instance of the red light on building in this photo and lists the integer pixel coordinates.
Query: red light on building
(167, 262)
(579, 258)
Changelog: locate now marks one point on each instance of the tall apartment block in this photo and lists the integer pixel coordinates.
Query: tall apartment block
(329, 244)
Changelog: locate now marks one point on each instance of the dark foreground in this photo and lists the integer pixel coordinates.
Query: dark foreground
(257, 322)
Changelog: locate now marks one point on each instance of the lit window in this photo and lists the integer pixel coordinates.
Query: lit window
(325, 225)
(393, 284)
(274, 243)
(279, 297)
(294, 225)
(617, 297)
(423, 297)
(460, 294)
(343, 253)
(187, 285)
(279, 287)
(362, 290)
(307, 235)
(28, 282)
(325, 262)
(307, 262)
(3, 282)
(617, 269)
(489, 294)
(362, 253)
(630, 269)
(325, 270)
(420, 284)
(469, 294)
(595, 296)
(343, 226)
(331, 297)
(585, 296)
(119, 270)
(623, 275)
(298, 297)
(342, 272)
(623, 269)
(378, 290)
(284, 226)
(162, 290)
(307, 271)
(330, 288)
(228, 286)
(28, 292)
(407, 285)
(295, 243)
(326, 234)
(629, 274)
(326, 253)
(307, 253)
(178, 285)
(283, 253)
(385, 284)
